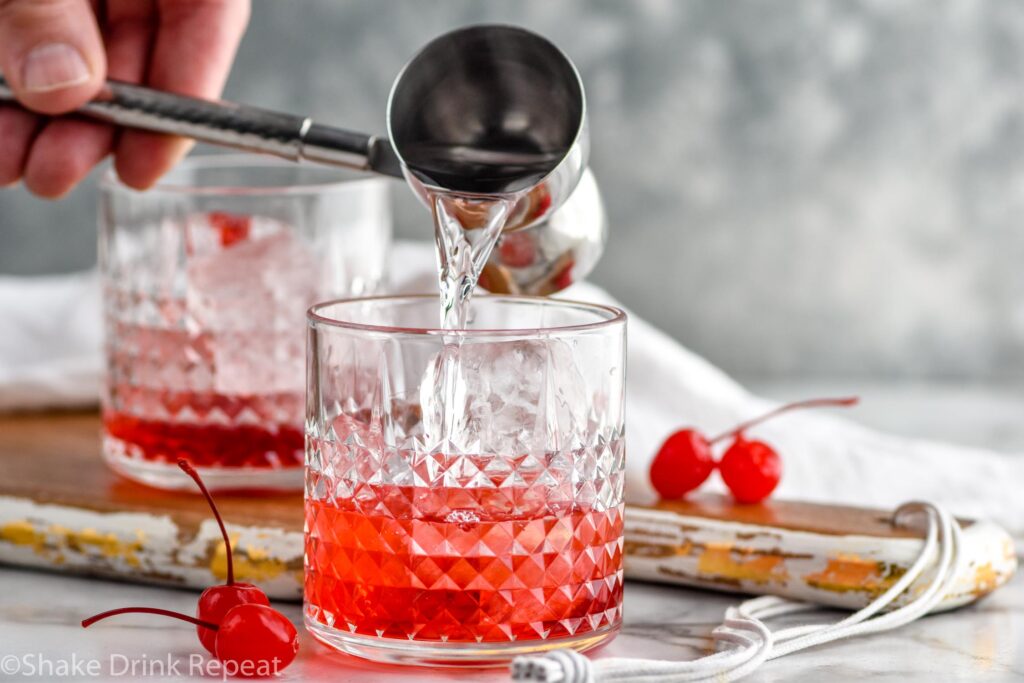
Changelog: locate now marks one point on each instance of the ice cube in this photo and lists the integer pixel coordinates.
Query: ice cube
(250, 299)
(257, 283)
(209, 232)
(504, 398)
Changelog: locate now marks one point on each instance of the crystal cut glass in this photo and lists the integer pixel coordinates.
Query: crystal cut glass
(206, 281)
(464, 488)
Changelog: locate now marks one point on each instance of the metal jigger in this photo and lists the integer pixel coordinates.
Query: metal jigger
(479, 111)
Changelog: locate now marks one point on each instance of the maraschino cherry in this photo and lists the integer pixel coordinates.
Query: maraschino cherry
(256, 640)
(231, 227)
(215, 601)
(750, 469)
(234, 621)
(683, 463)
(256, 633)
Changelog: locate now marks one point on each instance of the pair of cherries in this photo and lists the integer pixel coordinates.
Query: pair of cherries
(234, 621)
(750, 469)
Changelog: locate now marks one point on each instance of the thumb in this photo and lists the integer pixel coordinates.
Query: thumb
(51, 53)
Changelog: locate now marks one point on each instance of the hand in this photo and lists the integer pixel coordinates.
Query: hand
(55, 54)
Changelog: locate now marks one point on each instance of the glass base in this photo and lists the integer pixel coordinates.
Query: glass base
(169, 477)
(433, 653)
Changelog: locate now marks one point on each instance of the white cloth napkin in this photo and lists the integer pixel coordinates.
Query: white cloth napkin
(50, 355)
(51, 346)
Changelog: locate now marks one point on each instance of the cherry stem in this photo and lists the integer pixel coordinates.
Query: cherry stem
(187, 468)
(86, 623)
(811, 403)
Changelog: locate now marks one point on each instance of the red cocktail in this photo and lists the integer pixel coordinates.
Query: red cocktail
(207, 278)
(464, 488)
(465, 569)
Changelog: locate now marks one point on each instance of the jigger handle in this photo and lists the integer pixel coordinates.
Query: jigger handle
(236, 125)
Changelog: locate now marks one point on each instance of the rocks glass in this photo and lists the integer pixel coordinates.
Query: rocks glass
(464, 487)
(206, 281)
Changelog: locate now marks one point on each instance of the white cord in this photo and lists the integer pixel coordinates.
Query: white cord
(744, 640)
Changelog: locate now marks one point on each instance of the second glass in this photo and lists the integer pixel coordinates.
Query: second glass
(464, 487)
(206, 280)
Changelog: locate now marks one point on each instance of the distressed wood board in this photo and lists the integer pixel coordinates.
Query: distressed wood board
(62, 509)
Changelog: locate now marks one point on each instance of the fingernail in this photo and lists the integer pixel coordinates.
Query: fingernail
(53, 66)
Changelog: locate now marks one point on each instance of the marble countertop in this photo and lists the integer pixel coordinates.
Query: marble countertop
(39, 615)
(40, 612)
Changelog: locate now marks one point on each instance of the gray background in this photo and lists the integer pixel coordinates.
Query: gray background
(818, 188)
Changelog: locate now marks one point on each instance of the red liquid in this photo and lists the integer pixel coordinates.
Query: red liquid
(206, 445)
(205, 428)
(477, 574)
(230, 399)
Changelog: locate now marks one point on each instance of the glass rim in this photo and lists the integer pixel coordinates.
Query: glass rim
(110, 182)
(617, 316)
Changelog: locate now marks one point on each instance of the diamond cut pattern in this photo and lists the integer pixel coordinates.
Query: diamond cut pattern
(178, 389)
(404, 541)
(415, 532)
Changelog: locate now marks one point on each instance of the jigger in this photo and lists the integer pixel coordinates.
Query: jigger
(482, 110)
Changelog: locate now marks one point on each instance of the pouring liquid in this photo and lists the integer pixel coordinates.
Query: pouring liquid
(465, 231)
(485, 185)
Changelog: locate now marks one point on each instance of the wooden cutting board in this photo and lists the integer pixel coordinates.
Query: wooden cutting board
(62, 509)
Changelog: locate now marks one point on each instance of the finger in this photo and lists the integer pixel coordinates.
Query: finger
(195, 44)
(17, 129)
(51, 53)
(67, 149)
(63, 153)
(129, 27)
